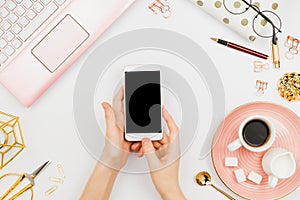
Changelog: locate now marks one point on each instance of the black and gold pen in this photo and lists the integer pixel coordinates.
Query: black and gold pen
(241, 48)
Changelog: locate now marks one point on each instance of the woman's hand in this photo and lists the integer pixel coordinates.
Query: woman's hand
(114, 155)
(163, 156)
(163, 159)
(116, 149)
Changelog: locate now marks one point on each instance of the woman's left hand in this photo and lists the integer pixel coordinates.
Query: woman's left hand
(116, 150)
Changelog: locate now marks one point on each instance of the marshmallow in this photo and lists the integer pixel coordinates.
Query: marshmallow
(231, 162)
(240, 175)
(254, 177)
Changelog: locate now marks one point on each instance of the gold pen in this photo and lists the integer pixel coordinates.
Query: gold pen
(275, 54)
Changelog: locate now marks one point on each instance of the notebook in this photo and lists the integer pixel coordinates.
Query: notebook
(240, 23)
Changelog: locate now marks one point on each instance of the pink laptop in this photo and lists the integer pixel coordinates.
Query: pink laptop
(41, 39)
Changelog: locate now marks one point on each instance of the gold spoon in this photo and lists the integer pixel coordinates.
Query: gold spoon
(204, 179)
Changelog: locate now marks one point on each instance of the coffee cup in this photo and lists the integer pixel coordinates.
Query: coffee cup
(278, 164)
(256, 133)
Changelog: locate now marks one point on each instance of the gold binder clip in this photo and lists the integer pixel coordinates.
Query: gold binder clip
(261, 87)
(260, 66)
(293, 47)
(288, 42)
(159, 7)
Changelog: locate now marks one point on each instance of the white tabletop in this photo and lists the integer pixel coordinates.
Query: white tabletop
(49, 128)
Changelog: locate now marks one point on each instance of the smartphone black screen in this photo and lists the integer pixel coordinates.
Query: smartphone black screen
(143, 102)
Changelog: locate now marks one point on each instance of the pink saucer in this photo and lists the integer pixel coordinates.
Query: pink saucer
(287, 126)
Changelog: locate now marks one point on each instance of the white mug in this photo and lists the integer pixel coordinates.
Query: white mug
(278, 164)
(241, 141)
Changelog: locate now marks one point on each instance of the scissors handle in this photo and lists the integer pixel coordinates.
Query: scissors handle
(26, 188)
(20, 179)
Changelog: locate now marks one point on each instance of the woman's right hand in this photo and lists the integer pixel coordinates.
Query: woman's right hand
(163, 159)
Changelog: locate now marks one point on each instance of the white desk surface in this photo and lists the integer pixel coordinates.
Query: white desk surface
(49, 128)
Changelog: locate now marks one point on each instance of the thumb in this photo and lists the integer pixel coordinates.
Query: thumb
(149, 152)
(109, 116)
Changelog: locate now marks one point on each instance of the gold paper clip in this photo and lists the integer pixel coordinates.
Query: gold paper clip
(293, 47)
(61, 171)
(51, 190)
(159, 7)
(260, 66)
(56, 180)
(261, 87)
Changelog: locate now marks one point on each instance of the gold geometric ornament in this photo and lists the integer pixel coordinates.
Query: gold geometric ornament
(11, 138)
(289, 86)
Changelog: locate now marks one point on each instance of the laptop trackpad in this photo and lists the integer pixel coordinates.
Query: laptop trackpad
(60, 43)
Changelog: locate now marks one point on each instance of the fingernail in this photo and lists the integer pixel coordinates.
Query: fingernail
(104, 106)
(140, 154)
(164, 110)
(145, 141)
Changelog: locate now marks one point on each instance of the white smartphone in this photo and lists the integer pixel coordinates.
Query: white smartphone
(142, 105)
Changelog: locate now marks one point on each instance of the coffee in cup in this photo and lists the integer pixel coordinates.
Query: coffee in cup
(256, 133)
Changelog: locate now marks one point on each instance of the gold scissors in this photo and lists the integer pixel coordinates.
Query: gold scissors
(22, 177)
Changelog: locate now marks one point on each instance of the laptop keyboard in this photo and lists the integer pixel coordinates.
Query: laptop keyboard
(20, 19)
